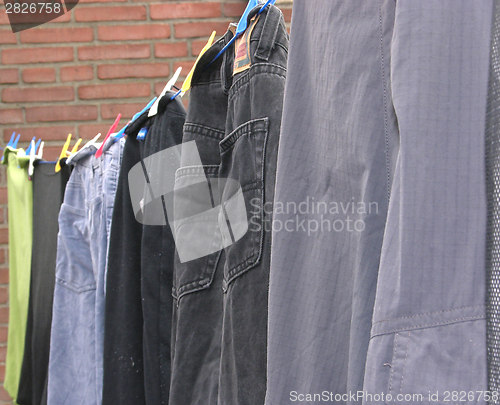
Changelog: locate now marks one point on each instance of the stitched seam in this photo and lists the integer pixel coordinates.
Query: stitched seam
(404, 364)
(430, 324)
(393, 358)
(430, 313)
(386, 119)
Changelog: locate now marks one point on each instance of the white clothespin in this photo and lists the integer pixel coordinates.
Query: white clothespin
(33, 157)
(154, 108)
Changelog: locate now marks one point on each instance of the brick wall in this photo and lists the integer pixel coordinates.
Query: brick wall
(76, 73)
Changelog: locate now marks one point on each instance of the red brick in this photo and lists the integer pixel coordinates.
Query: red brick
(7, 37)
(11, 116)
(127, 110)
(88, 131)
(170, 49)
(52, 133)
(197, 46)
(136, 70)
(2, 373)
(76, 73)
(15, 95)
(114, 52)
(2, 218)
(287, 13)
(199, 29)
(234, 9)
(4, 396)
(4, 275)
(51, 153)
(114, 91)
(39, 75)
(186, 67)
(4, 19)
(4, 235)
(4, 315)
(52, 35)
(61, 113)
(2, 251)
(185, 102)
(37, 55)
(4, 297)
(62, 18)
(3, 199)
(9, 76)
(3, 355)
(161, 85)
(184, 10)
(133, 32)
(122, 13)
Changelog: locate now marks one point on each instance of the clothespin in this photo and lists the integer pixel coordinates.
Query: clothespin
(75, 148)
(187, 82)
(121, 132)
(63, 153)
(242, 26)
(33, 156)
(154, 108)
(99, 152)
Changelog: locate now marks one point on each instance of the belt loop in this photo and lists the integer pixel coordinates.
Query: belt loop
(269, 32)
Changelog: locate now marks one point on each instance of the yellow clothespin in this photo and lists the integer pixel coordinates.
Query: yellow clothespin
(63, 153)
(187, 83)
(75, 148)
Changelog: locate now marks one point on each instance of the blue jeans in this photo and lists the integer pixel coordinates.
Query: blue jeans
(76, 347)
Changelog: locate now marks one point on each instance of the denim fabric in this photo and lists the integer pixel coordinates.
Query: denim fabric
(157, 263)
(197, 284)
(123, 375)
(77, 334)
(220, 317)
(248, 154)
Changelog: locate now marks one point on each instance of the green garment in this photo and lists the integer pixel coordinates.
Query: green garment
(20, 207)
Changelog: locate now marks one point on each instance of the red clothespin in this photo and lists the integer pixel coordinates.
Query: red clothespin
(111, 130)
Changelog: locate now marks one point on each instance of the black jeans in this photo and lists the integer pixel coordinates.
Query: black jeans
(220, 316)
(157, 263)
(123, 364)
(248, 155)
(197, 289)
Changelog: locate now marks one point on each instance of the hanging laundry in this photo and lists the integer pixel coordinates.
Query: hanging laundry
(20, 200)
(48, 193)
(77, 334)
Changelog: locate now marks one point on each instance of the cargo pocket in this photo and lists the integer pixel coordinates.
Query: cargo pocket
(243, 153)
(195, 229)
(428, 360)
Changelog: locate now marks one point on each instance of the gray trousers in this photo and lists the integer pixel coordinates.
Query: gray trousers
(377, 277)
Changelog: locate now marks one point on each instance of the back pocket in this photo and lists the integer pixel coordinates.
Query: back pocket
(243, 153)
(195, 229)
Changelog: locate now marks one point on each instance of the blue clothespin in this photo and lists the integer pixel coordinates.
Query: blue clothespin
(121, 133)
(29, 147)
(242, 26)
(14, 145)
(142, 134)
(37, 144)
